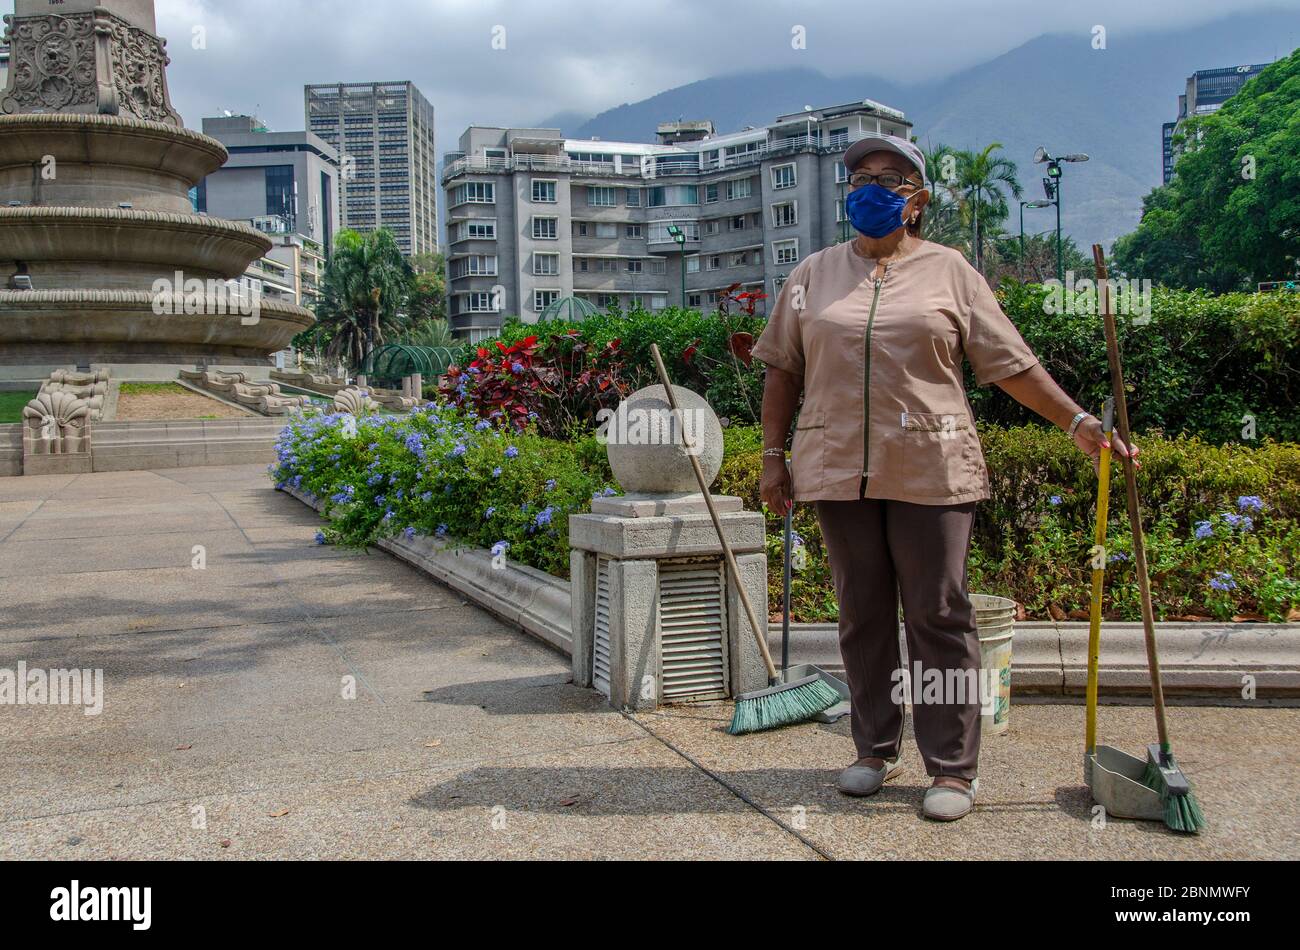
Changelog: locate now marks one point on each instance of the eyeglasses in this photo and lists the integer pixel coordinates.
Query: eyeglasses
(890, 180)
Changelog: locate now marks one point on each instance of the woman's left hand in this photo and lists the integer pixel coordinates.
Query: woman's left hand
(1090, 439)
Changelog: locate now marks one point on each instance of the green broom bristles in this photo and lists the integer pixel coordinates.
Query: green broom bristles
(782, 707)
(1182, 812)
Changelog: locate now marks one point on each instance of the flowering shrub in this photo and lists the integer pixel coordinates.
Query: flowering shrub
(559, 384)
(1222, 529)
(441, 472)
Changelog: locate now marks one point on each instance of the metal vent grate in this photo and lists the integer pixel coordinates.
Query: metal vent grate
(600, 640)
(691, 630)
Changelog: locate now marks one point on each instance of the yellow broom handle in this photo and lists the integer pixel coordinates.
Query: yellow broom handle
(1098, 576)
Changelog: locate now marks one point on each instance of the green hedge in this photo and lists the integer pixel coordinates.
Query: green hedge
(1200, 365)
(1033, 537)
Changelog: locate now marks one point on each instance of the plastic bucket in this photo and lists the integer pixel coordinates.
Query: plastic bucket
(995, 621)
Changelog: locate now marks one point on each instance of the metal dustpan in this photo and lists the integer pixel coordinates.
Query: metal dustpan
(1115, 778)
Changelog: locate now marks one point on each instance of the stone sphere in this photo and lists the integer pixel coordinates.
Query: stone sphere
(645, 444)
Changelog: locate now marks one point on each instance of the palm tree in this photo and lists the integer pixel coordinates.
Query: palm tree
(943, 219)
(981, 176)
(365, 289)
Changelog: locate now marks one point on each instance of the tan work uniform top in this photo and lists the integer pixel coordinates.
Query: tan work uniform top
(889, 351)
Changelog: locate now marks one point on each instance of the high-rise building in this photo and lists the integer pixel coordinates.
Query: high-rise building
(533, 217)
(1206, 91)
(383, 133)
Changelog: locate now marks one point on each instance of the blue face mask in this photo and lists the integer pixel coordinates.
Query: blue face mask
(875, 210)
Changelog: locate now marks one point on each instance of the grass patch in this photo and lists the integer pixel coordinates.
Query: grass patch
(146, 389)
(11, 405)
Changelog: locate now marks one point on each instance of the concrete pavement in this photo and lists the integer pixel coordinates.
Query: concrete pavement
(293, 700)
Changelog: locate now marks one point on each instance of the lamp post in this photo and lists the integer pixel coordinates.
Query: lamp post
(1023, 206)
(1052, 185)
(678, 235)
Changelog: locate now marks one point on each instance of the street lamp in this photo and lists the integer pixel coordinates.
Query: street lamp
(678, 235)
(1052, 185)
(1023, 206)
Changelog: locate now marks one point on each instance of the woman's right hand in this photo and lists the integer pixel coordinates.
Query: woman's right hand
(774, 486)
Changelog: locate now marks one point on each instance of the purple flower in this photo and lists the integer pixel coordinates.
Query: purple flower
(1222, 580)
(496, 472)
(1250, 503)
(481, 425)
(458, 450)
(1055, 500)
(1204, 530)
(544, 516)
(426, 496)
(388, 515)
(517, 367)
(409, 532)
(550, 484)
(320, 537)
(500, 548)
(490, 512)
(441, 530)
(511, 452)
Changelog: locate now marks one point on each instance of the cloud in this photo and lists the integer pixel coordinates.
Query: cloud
(589, 56)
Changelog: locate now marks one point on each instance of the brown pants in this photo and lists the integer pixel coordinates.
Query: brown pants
(878, 550)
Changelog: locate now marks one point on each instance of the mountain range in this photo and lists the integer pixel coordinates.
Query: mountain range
(1056, 91)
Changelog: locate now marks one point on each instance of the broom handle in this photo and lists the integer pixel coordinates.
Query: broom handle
(785, 591)
(760, 633)
(1098, 579)
(1130, 485)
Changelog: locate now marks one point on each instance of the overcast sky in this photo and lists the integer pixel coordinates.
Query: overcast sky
(588, 56)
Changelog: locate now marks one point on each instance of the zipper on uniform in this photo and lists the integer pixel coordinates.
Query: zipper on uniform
(866, 386)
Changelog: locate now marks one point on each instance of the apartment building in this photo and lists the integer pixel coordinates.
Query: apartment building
(1205, 92)
(384, 136)
(532, 216)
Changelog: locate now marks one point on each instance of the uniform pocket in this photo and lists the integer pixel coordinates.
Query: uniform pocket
(937, 453)
(808, 453)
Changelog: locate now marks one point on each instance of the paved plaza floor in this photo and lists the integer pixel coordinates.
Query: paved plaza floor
(293, 700)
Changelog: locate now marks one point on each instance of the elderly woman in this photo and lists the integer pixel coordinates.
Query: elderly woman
(872, 332)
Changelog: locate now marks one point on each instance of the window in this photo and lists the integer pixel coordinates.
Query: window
(634, 302)
(606, 300)
(738, 259)
(693, 300)
(479, 230)
(713, 262)
(657, 266)
(632, 231)
(658, 302)
(474, 192)
(544, 298)
(581, 228)
(783, 176)
(693, 264)
(839, 211)
(667, 195)
(711, 226)
(546, 265)
(580, 265)
(785, 214)
(601, 197)
(606, 230)
(279, 189)
(544, 229)
(480, 302)
(710, 194)
(737, 223)
(634, 266)
(785, 252)
(740, 188)
(841, 174)
(634, 197)
(544, 190)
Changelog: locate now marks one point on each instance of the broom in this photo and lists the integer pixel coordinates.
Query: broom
(1182, 811)
(781, 704)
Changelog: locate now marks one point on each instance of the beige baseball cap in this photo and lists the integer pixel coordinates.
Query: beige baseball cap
(886, 143)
